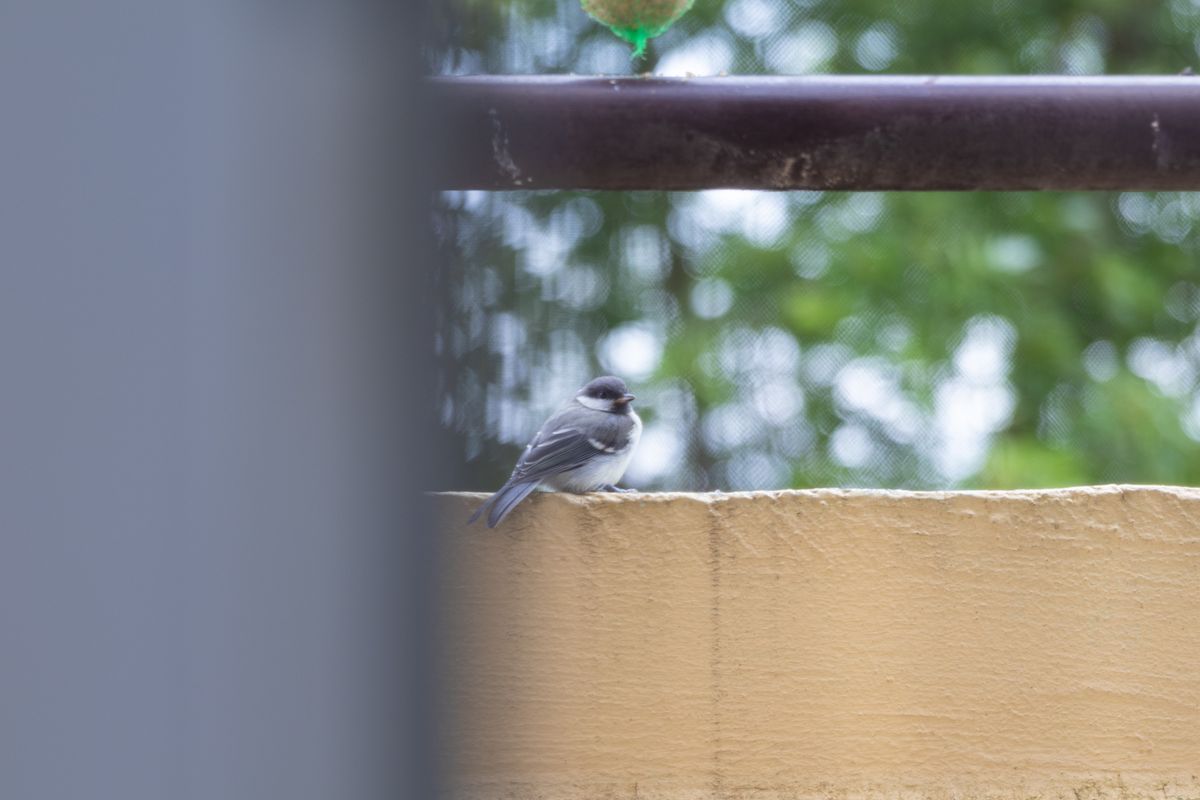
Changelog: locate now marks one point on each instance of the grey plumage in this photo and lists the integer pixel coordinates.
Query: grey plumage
(583, 447)
(504, 501)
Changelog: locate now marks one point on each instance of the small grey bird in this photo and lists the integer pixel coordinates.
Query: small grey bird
(584, 447)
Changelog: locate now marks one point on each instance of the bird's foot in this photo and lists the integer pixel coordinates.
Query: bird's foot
(612, 487)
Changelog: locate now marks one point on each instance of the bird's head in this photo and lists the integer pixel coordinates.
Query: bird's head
(606, 394)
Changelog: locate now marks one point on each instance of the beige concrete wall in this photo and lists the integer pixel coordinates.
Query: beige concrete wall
(828, 644)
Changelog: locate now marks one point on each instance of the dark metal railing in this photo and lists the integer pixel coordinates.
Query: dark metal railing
(863, 133)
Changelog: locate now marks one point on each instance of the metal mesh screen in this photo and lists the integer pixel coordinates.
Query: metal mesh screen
(808, 338)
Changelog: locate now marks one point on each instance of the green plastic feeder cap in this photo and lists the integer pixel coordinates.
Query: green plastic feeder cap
(636, 21)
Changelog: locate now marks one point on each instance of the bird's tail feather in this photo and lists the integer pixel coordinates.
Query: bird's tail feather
(502, 502)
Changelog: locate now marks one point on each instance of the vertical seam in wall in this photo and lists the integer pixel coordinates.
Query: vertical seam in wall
(715, 682)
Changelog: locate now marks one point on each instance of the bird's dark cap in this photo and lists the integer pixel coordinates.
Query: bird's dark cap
(608, 387)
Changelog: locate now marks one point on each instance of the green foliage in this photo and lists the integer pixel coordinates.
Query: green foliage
(931, 339)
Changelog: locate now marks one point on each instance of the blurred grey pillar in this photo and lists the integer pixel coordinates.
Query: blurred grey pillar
(211, 365)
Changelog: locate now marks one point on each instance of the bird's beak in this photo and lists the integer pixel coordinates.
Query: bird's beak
(627, 398)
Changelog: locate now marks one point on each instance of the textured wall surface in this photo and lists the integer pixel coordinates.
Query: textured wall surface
(827, 644)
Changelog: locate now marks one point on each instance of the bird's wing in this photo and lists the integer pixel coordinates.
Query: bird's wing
(568, 441)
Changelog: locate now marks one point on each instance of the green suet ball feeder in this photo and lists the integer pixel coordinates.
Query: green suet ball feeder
(636, 21)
